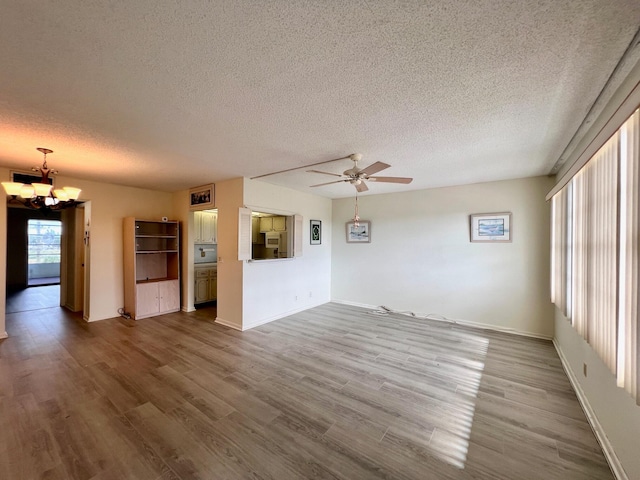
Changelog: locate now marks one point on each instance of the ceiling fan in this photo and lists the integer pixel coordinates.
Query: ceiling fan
(356, 176)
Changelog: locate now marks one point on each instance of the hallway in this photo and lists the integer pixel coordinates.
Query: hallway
(33, 298)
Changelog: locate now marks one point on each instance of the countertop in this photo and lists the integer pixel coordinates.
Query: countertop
(205, 265)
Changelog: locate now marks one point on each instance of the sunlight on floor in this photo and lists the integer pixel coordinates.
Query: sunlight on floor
(454, 417)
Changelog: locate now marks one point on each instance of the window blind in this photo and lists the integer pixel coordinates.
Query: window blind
(559, 250)
(628, 375)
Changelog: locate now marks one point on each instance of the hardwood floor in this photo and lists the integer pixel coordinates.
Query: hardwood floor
(334, 393)
(33, 298)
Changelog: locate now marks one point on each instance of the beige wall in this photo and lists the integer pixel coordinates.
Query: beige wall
(420, 257)
(184, 215)
(229, 198)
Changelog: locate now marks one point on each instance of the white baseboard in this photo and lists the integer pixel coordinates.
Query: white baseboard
(4, 335)
(187, 309)
(466, 323)
(226, 323)
(599, 432)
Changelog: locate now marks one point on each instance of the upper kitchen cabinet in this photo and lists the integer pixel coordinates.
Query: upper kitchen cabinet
(206, 226)
(279, 224)
(273, 224)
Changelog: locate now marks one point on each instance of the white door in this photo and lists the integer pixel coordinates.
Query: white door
(208, 227)
(146, 299)
(202, 290)
(197, 227)
(169, 296)
(213, 284)
(86, 314)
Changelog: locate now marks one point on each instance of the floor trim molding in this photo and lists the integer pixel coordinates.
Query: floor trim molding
(4, 335)
(226, 323)
(607, 448)
(466, 323)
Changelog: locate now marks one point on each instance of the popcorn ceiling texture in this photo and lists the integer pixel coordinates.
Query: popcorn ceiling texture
(170, 95)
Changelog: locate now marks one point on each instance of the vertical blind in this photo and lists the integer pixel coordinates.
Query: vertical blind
(595, 261)
(628, 330)
(559, 239)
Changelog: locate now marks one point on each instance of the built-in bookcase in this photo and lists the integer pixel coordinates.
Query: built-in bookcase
(151, 267)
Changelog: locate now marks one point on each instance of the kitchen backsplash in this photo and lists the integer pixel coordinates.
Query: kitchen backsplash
(209, 251)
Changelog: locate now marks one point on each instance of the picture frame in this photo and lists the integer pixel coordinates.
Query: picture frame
(28, 177)
(315, 232)
(491, 227)
(359, 234)
(203, 197)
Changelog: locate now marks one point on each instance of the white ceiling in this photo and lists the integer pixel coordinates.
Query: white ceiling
(174, 94)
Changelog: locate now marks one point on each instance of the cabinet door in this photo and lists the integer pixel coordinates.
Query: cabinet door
(208, 226)
(146, 299)
(266, 224)
(169, 293)
(214, 218)
(255, 230)
(197, 227)
(202, 290)
(279, 224)
(213, 284)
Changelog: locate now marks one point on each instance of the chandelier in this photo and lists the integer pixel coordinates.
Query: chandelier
(42, 195)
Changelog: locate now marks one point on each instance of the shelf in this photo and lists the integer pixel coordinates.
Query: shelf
(156, 251)
(155, 280)
(156, 236)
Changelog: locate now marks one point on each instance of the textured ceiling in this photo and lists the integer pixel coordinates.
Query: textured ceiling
(174, 94)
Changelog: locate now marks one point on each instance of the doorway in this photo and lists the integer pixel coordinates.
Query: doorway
(43, 251)
(33, 259)
(46, 253)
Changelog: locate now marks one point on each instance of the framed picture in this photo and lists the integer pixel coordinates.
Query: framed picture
(359, 234)
(27, 177)
(491, 227)
(316, 232)
(202, 197)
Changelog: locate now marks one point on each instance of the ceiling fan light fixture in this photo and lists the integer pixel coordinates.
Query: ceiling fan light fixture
(40, 195)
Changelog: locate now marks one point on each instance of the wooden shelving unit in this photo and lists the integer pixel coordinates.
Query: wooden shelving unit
(151, 267)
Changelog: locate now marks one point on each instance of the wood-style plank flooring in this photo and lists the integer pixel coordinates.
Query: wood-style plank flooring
(334, 393)
(33, 298)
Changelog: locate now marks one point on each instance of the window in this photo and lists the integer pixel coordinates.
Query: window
(44, 241)
(594, 253)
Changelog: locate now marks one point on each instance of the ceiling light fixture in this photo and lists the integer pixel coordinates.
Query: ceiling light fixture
(42, 195)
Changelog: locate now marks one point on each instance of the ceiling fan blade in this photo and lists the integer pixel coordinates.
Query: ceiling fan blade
(374, 168)
(361, 187)
(324, 173)
(391, 179)
(328, 183)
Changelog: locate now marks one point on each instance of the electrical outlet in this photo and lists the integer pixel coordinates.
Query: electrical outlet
(310, 294)
(584, 369)
(296, 298)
